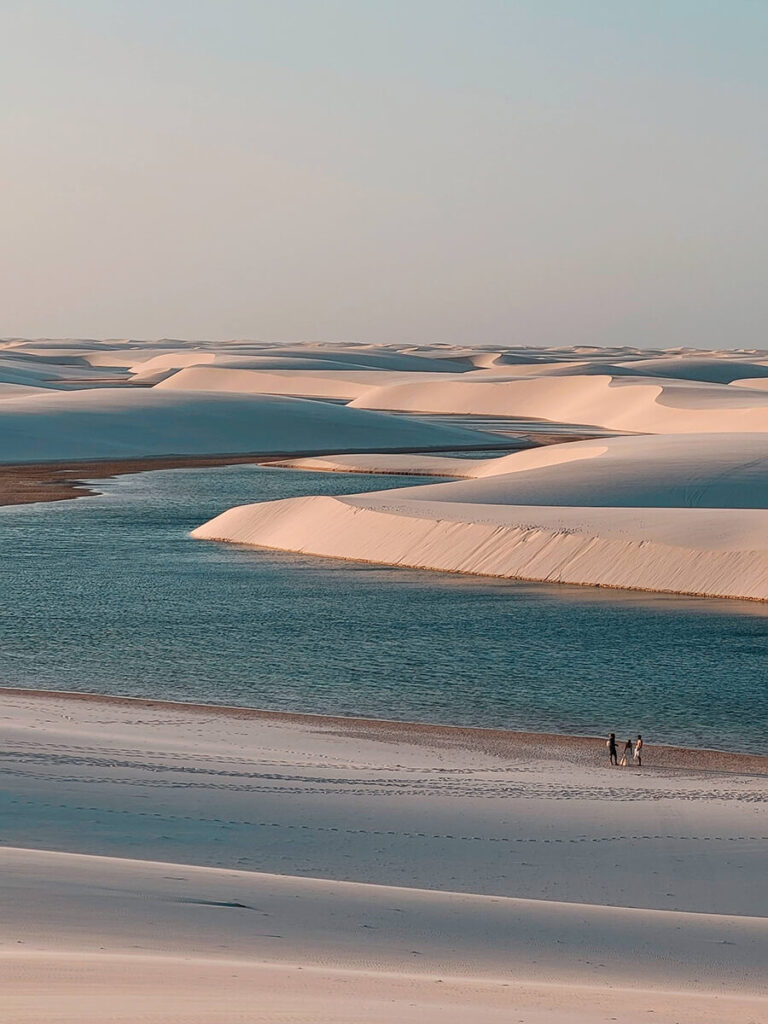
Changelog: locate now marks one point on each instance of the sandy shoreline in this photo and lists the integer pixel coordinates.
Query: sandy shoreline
(503, 743)
(24, 483)
(156, 855)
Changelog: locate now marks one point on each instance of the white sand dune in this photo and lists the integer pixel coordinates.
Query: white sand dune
(168, 362)
(665, 471)
(379, 357)
(96, 908)
(308, 371)
(8, 390)
(688, 360)
(718, 370)
(715, 369)
(241, 914)
(533, 460)
(120, 423)
(260, 836)
(412, 464)
(188, 990)
(301, 383)
(230, 359)
(680, 514)
(45, 373)
(705, 552)
(728, 471)
(620, 403)
(48, 346)
(308, 356)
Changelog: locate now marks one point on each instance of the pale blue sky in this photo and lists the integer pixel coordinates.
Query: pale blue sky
(519, 172)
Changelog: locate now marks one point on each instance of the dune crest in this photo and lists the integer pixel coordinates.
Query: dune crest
(622, 403)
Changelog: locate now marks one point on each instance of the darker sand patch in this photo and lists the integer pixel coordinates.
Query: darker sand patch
(58, 481)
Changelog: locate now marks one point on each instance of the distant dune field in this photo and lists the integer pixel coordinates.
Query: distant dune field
(676, 504)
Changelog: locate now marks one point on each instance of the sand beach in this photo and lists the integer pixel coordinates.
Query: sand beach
(185, 863)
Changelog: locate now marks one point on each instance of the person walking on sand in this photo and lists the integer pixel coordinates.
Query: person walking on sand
(626, 757)
(611, 744)
(639, 751)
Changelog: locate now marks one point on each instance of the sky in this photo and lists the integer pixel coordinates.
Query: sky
(497, 172)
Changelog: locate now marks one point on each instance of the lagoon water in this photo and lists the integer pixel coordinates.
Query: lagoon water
(109, 594)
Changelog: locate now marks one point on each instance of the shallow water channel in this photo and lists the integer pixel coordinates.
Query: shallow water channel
(109, 594)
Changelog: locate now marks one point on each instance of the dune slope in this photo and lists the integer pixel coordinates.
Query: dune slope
(115, 423)
(640, 404)
(685, 515)
(320, 383)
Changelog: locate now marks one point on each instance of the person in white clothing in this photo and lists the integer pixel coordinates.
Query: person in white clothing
(626, 756)
(639, 752)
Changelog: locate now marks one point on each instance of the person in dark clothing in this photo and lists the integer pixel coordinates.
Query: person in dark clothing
(611, 744)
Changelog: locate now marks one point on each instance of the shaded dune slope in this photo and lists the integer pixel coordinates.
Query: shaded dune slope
(119, 423)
